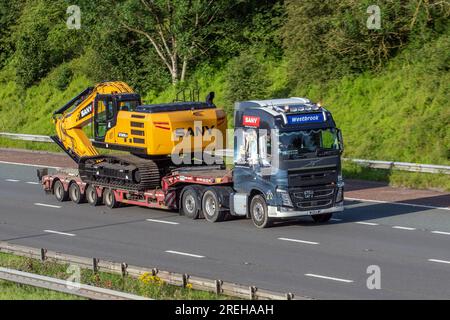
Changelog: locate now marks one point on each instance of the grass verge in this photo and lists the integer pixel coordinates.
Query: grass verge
(147, 285)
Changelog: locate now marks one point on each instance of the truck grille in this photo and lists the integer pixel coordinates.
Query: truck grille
(320, 197)
(322, 176)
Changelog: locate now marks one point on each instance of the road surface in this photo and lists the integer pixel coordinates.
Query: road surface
(409, 241)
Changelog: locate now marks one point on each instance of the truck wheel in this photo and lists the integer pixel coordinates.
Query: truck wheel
(91, 195)
(258, 212)
(211, 207)
(190, 204)
(324, 217)
(60, 194)
(75, 193)
(109, 199)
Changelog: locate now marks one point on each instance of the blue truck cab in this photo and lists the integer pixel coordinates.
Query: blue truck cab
(287, 161)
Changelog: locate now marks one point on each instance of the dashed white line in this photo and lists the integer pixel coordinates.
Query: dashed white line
(299, 241)
(29, 165)
(439, 261)
(335, 219)
(31, 182)
(185, 254)
(399, 203)
(441, 232)
(12, 180)
(46, 205)
(367, 223)
(61, 233)
(162, 221)
(404, 228)
(328, 278)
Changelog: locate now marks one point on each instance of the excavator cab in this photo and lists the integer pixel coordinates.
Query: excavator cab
(106, 109)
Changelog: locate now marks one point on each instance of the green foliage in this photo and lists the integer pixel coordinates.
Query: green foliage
(247, 79)
(330, 39)
(43, 40)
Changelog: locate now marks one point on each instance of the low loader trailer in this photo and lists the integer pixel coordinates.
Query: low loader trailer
(287, 164)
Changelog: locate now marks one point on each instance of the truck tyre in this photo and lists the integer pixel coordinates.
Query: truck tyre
(92, 197)
(59, 192)
(190, 203)
(109, 199)
(75, 193)
(320, 218)
(211, 206)
(259, 213)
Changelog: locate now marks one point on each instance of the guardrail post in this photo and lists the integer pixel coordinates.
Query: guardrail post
(185, 280)
(123, 268)
(219, 286)
(43, 254)
(289, 296)
(252, 292)
(95, 265)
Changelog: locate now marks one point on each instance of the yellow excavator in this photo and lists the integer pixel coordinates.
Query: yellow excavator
(119, 121)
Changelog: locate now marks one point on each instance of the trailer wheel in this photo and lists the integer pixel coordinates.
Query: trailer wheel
(75, 193)
(320, 218)
(92, 197)
(258, 212)
(60, 194)
(211, 207)
(190, 204)
(109, 199)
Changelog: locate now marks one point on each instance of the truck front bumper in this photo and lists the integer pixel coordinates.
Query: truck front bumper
(276, 212)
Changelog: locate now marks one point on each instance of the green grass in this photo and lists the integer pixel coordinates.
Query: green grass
(146, 286)
(14, 291)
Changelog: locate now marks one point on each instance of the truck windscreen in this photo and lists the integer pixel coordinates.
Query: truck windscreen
(299, 144)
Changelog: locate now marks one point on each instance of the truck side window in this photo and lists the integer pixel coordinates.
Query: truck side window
(265, 148)
(251, 146)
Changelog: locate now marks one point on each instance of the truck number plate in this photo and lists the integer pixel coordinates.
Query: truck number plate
(312, 212)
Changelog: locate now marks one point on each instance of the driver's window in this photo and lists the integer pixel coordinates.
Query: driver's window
(246, 147)
(251, 146)
(265, 148)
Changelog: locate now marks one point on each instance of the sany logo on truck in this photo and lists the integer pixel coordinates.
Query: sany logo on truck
(251, 121)
(197, 131)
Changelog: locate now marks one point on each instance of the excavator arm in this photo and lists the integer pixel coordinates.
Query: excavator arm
(78, 113)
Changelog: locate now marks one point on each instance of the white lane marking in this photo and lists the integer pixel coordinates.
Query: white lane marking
(47, 205)
(439, 261)
(399, 203)
(335, 219)
(441, 232)
(367, 223)
(162, 221)
(31, 182)
(328, 278)
(185, 254)
(12, 180)
(29, 165)
(404, 228)
(61, 233)
(299, 241)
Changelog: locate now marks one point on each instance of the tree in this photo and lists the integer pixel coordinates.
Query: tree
(178, 30)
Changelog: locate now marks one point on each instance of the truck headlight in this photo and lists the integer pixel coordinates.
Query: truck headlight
(285, 198)
(340, 194)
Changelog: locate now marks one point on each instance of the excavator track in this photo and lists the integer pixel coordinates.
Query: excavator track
(127, 172)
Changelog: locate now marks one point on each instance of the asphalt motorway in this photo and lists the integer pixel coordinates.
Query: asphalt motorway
(410, 244)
